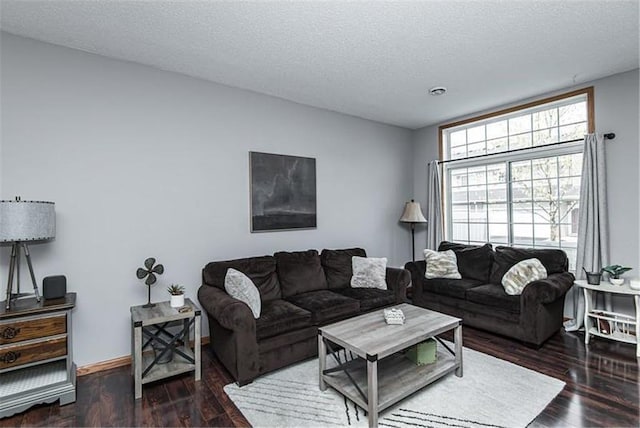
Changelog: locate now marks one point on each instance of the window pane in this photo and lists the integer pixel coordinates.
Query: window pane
(523, 234)
(569, 189)
(521, 191)
(522, 212)
(459, 177)
(544, 168)
(573, 113)
(476, 149)
(498, 233)
(569, 213)
(570, 165)
(459, 194)
(519, 141)
(477, 175)
(475, 134)
(477, 193)
(458, 138)
(458, 152)
(478, 213)
(496, 173)
(521, 170)
(497, 192)
(497, 213)
(496, 146)
(546, 136)
(545, 191)
(573, 132)
(520, 124)
(460, 232)
(497, 129)
(546, 235)
(478, 232)
(459, 212)
(545, 119)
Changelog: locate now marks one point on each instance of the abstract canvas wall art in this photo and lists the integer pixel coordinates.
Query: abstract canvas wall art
(283, 192)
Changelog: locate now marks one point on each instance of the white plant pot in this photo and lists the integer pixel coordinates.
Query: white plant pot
(177, 301)
(616, 281)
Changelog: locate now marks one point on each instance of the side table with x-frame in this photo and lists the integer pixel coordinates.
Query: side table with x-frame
(152, 339)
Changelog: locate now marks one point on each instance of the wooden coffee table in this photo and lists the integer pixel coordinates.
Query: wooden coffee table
(380, 375)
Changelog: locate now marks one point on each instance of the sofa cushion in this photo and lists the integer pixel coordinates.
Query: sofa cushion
(494, 296)
(260, 270)
(450, 287)
(369, 298)
(554, 261)
(474, 261)
(279, 317)
(299, 272)
(369, 272)
(326, 305)
(337, 265)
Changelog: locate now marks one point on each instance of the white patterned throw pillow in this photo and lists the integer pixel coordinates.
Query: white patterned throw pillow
(369, 272)
(240, 286)
(521, 274)
(441, 264)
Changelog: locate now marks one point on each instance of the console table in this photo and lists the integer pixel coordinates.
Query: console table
(609, 324)
(150, 329)
(36, 354)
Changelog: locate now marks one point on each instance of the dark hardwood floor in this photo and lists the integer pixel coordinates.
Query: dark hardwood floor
(602, 389)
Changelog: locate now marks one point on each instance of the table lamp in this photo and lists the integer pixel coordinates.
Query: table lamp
(22, 222)
(413, 214)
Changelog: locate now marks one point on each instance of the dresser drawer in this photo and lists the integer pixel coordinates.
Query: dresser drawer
(18, 331)
(17, 355)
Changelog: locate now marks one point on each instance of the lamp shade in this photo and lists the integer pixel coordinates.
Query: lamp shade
(27, 221)
(412, 213)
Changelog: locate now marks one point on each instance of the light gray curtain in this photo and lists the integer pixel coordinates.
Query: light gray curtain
(434, 206)
(593, 229)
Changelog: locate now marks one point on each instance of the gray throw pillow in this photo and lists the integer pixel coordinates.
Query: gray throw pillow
(521, 274)
(239, 286)
(441, 264)
(369, 272)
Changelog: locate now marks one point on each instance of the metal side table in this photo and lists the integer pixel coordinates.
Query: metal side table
(152, 341)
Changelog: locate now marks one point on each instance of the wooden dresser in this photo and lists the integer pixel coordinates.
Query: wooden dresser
(36, 354)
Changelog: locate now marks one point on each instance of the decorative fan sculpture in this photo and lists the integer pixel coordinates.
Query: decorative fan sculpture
(150, 274)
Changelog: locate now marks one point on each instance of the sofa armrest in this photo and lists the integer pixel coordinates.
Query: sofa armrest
(548, 290)
(416, 270)
(230, 313)
(398, 279)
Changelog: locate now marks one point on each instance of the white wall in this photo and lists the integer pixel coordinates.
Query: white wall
(616, 110)
(142, 162)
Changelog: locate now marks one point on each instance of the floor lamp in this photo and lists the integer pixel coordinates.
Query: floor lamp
(413, 214)
(22, 222)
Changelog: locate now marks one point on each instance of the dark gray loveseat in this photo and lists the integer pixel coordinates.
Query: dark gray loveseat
(299, 291)
(480, 300)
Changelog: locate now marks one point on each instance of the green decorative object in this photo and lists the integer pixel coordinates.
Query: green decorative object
(423, 353)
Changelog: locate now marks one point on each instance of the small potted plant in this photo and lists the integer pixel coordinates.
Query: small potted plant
(614, 272)
(177, 295)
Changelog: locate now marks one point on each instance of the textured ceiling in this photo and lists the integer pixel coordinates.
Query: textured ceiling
(374, 60)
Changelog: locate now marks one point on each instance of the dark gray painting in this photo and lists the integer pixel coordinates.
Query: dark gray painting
(283, 192)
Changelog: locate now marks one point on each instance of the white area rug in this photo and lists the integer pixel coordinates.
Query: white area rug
(492, 393)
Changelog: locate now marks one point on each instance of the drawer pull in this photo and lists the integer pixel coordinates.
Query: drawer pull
(10, 332)
(10, 357)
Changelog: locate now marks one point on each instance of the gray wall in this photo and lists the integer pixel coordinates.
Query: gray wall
(142, 162)
(616, 110)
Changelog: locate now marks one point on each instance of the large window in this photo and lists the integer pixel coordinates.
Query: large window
(513, 177)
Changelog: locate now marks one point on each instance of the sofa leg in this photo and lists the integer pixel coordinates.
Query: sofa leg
(242, 383)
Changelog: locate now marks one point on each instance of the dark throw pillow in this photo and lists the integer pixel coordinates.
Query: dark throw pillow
(474, 261)
(554, 261)
(337, 265)
(299, 272)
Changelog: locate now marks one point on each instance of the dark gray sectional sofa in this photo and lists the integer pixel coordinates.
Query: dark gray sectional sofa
(299, 291)
(480, 300)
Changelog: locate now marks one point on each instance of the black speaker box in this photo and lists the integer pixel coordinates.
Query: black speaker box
(54, 287)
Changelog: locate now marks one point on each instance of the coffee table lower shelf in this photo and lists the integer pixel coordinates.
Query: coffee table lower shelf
(398, 377)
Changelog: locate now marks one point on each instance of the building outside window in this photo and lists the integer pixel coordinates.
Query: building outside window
(512, 178)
